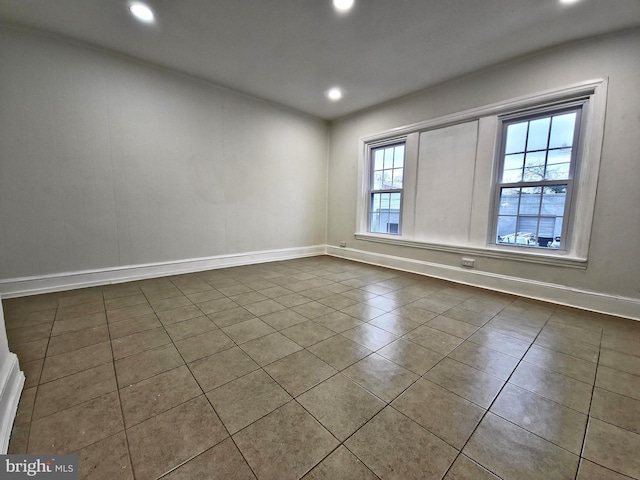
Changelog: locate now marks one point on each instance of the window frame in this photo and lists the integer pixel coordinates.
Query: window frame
(371, 148)
(504, 121)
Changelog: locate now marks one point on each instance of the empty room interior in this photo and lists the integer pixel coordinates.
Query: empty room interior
(346, 240)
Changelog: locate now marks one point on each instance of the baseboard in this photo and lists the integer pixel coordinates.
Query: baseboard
(18, 287)
(549, 292)
(11, 383)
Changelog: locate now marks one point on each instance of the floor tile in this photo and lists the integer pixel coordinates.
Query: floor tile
(215, 306)
(558, 362)
(203, 345)
(394, 324)
(127, 313)
(299, 372)
(616, 409)
(78, 323)
(190, 328)
(206, 296)
(411, 356)
(270, 348)
(167, 317)
(248, 330)
(16, 336)
(76, 361)
(613, 447)
(468, 316)
(135, 368)
(466, 469)
(490, 338)
(106, 460)
(19, 439)
(394, 447)
(74, 389)
(285, 444)
(29, 351)
(575, 348)
(229, 317)
(72, 311)
(591, 471)
(161, 305)
(559, 388)
(25, 406)
(453, 327)
(308, 333)
(139, 342)
(433, 339)
(313, 310)
(514, 453)
(284, 319)
(264, 307)
(222, 367)
(340, 405)
(134, 325)
(339, 352)
(363, 312)
(76, 427)
(338, 322)
(450, 417)
(623, 345)
(32, 371)
(619, 361)
(369, 336)
(163, 442)
(125, 301)
(342, 464)
(223, 461)
(157, 394)
(468, 382)
(550, 420)
(380, 376)
(247, 399)
(489, 361)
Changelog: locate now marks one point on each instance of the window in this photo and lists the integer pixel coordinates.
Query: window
(386, 188)
(535, 178)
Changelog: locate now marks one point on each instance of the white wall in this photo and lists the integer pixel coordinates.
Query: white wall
(105, 162)
(614, 252)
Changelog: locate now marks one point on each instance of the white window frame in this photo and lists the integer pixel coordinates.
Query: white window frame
(371, 148)
(503, 122)
(575, 254)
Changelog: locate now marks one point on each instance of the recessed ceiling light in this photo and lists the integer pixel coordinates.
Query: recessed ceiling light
(568, 2)
(343, 5)
(334, 94)
(142, 12)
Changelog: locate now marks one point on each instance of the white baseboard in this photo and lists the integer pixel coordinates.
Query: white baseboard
(11, 383)
(549, 292)
(18, 287)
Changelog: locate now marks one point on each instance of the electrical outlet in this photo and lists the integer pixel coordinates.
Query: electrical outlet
(468, 262)
(343, 243)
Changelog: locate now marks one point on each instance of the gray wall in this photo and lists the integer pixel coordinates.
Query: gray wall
(614, 252)
(106, 162)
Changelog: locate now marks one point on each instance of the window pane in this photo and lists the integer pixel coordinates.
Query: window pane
(506, 229)
(562, 155)
(512, 176)
(397, 177)
(377, 181)
(516, 137)
(385, 212)
(513, 161)
(536, 159)
(509, 198)
(530, 201)
(538, 134)
(533, 174)
(553, 200)
(398, 158)
(557, 172)
(378, 156)
(562, 127)
(388, 157)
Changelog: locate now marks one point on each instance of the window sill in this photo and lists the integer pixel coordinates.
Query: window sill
(558, 259)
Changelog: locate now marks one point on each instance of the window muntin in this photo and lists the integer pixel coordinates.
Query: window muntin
(535, 179)
(387, 165)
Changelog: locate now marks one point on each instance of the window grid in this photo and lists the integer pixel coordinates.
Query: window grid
(386, 188)
(536, 172)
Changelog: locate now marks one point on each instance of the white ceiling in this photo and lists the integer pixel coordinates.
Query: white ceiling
(291, 51)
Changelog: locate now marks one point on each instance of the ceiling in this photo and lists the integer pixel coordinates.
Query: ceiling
(291, 51)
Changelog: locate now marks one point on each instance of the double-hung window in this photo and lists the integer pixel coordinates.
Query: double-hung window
(535, 178)
(386, 164)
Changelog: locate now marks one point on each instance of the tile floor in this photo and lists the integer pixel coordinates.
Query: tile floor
(321, 368)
